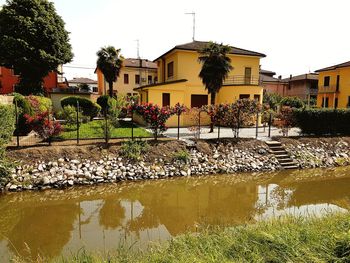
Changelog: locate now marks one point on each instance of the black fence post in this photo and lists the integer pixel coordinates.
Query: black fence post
(178, 126)
(238, 122)
(270, 123)
(257, 125)
(106, 129)
(199, 125)
(17, 128)
(78, 124)
(132, 124)
(219, 131)
(48, 118)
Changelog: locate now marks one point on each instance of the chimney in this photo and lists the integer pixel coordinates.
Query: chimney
(279, 77)
(290, 77)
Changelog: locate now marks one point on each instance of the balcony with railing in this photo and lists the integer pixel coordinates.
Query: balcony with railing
(328, 89)
(241, 80)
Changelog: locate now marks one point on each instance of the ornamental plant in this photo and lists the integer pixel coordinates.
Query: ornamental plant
(43, 124)
(155, 116)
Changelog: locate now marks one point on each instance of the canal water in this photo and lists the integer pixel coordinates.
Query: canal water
(135, 214)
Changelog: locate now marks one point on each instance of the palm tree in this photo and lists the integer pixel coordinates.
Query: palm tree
(109, 61)
(215, 68)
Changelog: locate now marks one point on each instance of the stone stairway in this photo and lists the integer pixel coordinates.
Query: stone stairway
(282, 155)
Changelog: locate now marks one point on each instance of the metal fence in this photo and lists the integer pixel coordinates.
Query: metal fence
(107, 129)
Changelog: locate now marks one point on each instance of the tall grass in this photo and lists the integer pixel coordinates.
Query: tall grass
(287, 239)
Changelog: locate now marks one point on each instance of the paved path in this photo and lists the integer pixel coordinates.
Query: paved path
(185, 133)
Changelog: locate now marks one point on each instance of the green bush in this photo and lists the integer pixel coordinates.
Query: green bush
(134, 149)
(182, 155)
(293, 102)
(45, 104)
(24, 108)
(88, 107)
(106, 103)
(323, 121)
(7, 124)
(272, 99)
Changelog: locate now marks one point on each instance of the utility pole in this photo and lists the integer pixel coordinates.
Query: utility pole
(194, 23)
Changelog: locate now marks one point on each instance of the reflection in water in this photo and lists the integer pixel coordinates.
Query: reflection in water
(101, 218)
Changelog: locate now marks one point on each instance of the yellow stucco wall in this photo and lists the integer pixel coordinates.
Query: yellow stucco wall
(344, 87)
(186, 66)
(120, 87)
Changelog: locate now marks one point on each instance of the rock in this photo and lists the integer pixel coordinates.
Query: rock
(70, 182)
(45, 180)
(60, 160)
(183, 173)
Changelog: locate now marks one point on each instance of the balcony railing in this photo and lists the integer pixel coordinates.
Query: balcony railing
(242, 80)
(328, 89)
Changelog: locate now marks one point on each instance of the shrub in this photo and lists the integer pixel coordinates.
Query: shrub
(24, 108)
(106, 103)
(44, 125)
(134, 149)
(7, 124)
(323, 121)
(272, 99)
(182, 155)
(155, 116)
(293, 102)
(88, 107)
(69, 114)
(39, 104)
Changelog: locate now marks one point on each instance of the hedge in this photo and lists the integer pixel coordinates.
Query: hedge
(323, 121)
(24, 107)
(7, 124)
(106, 103)
(88, 107)
(293, 102)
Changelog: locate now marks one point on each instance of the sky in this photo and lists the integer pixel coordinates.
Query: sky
(297, 36)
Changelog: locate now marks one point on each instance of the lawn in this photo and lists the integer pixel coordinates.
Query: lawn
(93, 130)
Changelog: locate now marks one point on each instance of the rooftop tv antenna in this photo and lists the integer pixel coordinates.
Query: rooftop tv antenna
(138, 48)
(194, 22)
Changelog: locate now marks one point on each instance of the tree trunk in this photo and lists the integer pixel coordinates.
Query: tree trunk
(212, 102)
(110, 88)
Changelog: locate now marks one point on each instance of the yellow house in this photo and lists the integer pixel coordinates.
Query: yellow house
(178, 71)
(334, 86)
(133, 74)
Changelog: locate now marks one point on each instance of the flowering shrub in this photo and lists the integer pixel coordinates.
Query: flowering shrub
(179, 109)
(286, 119)
(44, 126)
(155, 116)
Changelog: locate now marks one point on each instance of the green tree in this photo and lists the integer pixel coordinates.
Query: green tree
(109, 61)
(215, 68)
(33, 41)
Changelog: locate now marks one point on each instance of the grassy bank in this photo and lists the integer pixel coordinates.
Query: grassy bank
(288, 239)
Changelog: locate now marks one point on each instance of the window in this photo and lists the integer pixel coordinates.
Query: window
(247, 75)
(257, 97)
(199, 100)
(166, 99)
(126, 78)
(244, 96)
(348, 102)
(149, 79)
(170, 69)
(336, 103)
(137, 79)
(338, 81)
(326, 81)
(95, 89)
(324, 102)
(155, 80)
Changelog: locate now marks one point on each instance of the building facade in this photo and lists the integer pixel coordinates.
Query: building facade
(302, 86)
(133, 74)
(272, 84)
(334, 86)
(178, 71)
(9, 79)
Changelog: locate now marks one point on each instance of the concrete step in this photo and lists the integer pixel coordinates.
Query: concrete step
(282, 161)
(288, 164)
(282, 156)
(278, 152)
(273, 143)
(276, 148)
(290, 167)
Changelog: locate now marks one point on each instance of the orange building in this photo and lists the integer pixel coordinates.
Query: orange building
(9, 79)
